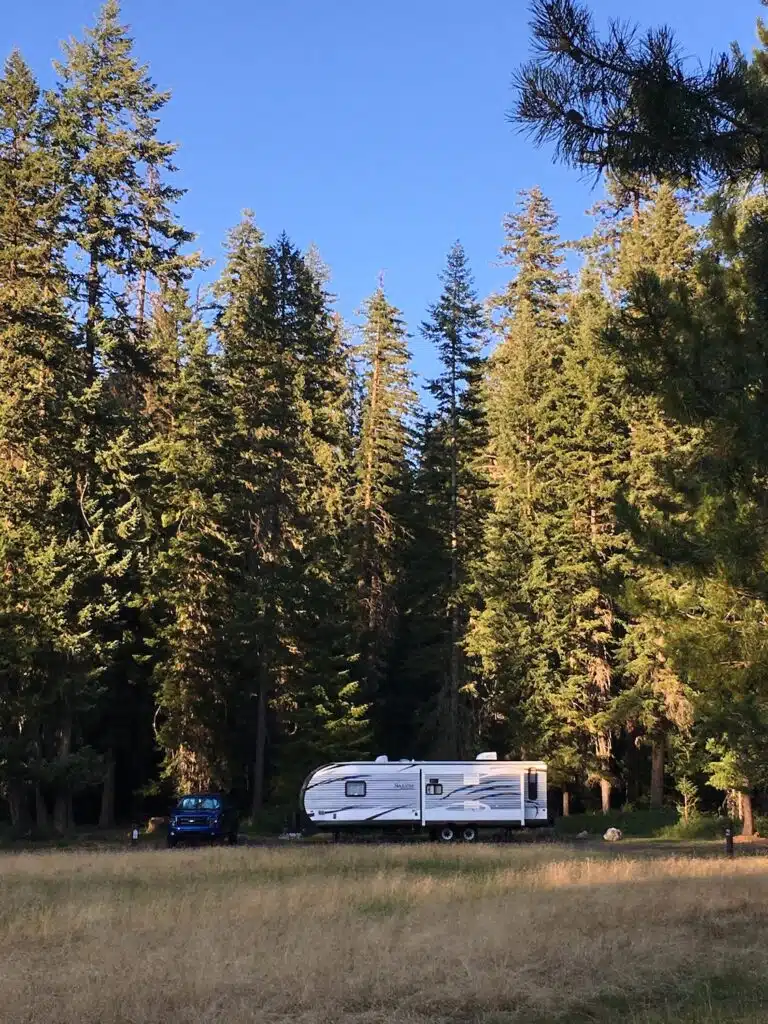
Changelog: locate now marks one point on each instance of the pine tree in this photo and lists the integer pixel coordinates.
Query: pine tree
(523, 371)
(589, 555)
(58, 587)
(322, 715)
(285, 376)
(454, 438)
(660, 240)
(419, 662)
(120, 220)
(689, 330)
(194, 565)
(632, 104)
(121, 236)
(382, 474)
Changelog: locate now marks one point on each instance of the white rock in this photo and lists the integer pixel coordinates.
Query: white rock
(613, 835)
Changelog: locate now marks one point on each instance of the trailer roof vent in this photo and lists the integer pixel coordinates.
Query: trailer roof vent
(406, 760)
(487, 755)
(381, 759)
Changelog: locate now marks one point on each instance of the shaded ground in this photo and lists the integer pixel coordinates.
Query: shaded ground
(117, 839)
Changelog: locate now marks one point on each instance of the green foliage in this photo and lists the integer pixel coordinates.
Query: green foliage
(659, 824)
(633, 824)
(450, 504)
(512, 577)
(382, 475)
(698, 826)
(234, 546)
(632, 103)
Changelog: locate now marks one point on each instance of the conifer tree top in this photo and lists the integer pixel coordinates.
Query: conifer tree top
(631, 103)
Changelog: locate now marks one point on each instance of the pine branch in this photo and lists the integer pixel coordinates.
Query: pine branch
(629, 104)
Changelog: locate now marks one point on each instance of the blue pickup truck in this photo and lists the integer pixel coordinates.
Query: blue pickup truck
(203, 816)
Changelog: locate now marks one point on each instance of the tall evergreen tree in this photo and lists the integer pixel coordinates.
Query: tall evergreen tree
(194, 565)
(523, 371)
(453, 485)
(121, 236)
(59, 583)
(285, 377)
(382, 474)
(120, 207)
(695, 346)
(589, 555)
(658, 239)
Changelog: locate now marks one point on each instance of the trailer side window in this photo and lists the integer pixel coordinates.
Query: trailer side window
(533, 784)
(355, 788)
(434, 788)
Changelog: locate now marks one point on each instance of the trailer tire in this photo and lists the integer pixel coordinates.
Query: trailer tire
(469, 834)
(447, 834)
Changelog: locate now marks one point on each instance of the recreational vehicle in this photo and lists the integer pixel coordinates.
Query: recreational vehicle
(450, 799)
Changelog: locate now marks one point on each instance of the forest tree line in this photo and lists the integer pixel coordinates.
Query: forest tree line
(236, 541)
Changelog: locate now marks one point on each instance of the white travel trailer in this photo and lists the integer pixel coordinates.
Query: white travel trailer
(451, 799)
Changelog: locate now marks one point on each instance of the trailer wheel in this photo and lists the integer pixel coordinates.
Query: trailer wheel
(447, 834)
(469, 834)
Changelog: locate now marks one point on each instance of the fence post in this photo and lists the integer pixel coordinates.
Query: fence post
(728, 842)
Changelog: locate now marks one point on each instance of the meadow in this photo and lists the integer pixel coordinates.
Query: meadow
(368, 934)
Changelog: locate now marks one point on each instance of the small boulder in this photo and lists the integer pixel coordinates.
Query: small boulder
(613, 835)
(583, 835)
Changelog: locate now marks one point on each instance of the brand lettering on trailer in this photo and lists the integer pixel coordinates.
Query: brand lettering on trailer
(404, 785)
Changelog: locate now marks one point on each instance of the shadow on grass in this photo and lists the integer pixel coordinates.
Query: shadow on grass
(724, 999)
(721, 999)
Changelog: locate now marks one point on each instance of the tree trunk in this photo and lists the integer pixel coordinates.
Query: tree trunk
(455, 677)
(62, 808)
(605, 795)
(107, 812)
(566, 803)
(657, 774)
(747, 817)
(92, 313)
(371, 590)
(141, 304)
(454, 730)
(62, 813)
(41, 810)
(603, 748)
(257, 798)
(16, 796)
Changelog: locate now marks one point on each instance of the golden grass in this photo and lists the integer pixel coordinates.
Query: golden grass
(410, 934)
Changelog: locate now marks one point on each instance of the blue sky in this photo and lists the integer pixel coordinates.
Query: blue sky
(376, 130)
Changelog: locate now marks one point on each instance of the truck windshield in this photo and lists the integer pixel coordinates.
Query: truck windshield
(199, 803)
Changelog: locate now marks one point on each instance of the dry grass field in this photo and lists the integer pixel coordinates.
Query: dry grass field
(372, 934)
